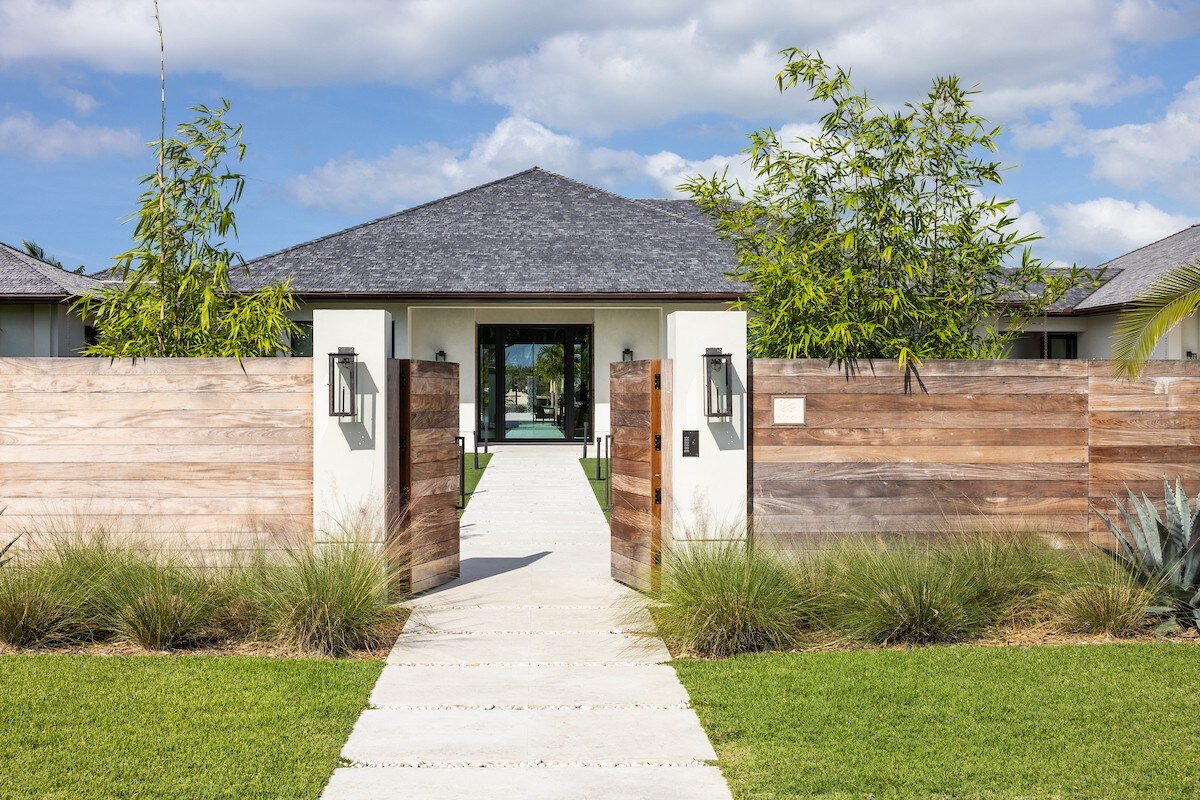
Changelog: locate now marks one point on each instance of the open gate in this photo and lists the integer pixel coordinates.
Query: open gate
(640, 422)
(423, 472)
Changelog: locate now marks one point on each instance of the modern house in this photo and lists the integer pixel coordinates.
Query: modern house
(534, 283)
(35, 316)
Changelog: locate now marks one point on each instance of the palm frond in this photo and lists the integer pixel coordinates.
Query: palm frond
(1169, 301)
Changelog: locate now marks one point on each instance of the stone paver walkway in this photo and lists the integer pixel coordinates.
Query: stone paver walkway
(518, 680)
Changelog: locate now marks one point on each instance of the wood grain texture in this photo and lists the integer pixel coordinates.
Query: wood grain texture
(993, 444)
(423, 473)
(206, 454)
(640, 483)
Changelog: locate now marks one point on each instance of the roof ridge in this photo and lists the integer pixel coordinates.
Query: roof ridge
(639, 201)
(399, 213)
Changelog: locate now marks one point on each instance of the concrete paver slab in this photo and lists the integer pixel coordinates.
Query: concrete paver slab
(519, 648)
(531, 783)
(601, 735)
(530, 619)
(527, 686)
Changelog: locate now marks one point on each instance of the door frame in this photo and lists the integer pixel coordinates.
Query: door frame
(498, 424)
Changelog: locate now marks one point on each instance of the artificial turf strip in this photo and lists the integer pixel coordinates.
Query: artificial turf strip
(1087, 721)
(598, 486)
(84, 727)
(473, 475)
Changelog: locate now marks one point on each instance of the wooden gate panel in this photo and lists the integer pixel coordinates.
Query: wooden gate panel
(424, 471)
(639, 493)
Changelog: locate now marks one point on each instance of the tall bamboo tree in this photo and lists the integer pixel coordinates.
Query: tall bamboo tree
(173, 295)
(875, 237)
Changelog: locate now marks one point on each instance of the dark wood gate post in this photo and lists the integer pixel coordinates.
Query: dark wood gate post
(422, 467)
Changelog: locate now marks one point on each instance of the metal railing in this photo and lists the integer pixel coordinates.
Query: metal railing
(462, 471)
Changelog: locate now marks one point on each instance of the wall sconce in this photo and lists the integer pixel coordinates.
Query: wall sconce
(627, 354)
(343, 382)
(440, 355)
(718, 384)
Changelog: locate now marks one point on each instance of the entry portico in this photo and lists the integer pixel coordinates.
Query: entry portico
(534, 284)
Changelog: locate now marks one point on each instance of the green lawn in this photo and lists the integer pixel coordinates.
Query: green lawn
(598, 487)
(81, 727)
(1087, 721)
(473, 475)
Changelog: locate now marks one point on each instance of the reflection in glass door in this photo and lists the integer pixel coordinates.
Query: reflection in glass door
(534, 382)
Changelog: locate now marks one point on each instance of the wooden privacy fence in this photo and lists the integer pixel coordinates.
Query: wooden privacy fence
(423, 470)
(1002, 445)
(641, 432)
(204, 454)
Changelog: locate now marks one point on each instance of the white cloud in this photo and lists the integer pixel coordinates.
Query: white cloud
(1164, 153)
(594, 67)
(411, 175)
(669, 170)
(23, 134)
(81, 103)
(1097, 230)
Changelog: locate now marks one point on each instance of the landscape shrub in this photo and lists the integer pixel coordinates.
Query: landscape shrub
(38, 608)
(904, 595)
(1109, 600)
(721, 599)
(330, 600)
(78, 588)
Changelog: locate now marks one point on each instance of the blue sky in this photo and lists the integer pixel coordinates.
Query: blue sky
(359, 108)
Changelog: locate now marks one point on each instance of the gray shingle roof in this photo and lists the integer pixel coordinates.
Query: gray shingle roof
(22, 275)
(1142, 267)
(531, 233)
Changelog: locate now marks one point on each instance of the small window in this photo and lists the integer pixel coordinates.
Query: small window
(1059, 345)
(302, 342)
(91, 336)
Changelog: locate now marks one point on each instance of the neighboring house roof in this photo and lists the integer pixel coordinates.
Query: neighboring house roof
(531, 234)
(27, 278)
(1137, 271)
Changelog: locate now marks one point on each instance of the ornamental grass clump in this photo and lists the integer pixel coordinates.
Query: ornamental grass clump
(1107, 600)
(903, 595)
(726, 598)
(38, 608)
(160, 602)
(330, 601)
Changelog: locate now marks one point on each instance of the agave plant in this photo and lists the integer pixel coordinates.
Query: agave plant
(1163, 555)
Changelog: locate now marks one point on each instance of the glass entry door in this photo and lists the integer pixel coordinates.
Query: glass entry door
(534, 382)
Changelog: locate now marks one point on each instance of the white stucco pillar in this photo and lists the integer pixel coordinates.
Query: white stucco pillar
(349, 464)
(708, 489)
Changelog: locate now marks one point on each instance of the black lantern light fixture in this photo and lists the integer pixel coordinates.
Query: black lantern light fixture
(718, 384)
(343, 383)
(440, 356)
(627, 354)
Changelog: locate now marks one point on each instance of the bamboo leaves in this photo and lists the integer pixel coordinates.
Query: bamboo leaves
(174, 296)
(875, 236)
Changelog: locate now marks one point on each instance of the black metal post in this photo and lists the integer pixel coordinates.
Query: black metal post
(585, 439)
(599, 458)
(608, 477)
(476, 443)
(462, 471)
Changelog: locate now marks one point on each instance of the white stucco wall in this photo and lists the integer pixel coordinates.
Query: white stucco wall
(349, 456)
(708, 494)
(639, 329)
